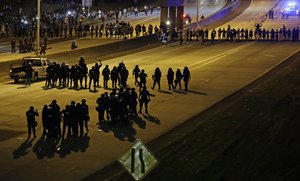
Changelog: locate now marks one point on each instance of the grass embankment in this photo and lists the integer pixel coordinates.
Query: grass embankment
(253, 136)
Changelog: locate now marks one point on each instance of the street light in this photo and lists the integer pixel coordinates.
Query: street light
(38, 27)
(197, 10)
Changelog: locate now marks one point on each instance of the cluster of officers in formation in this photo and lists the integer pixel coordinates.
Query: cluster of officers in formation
(117, 106)
(78, 76)
(234, 34)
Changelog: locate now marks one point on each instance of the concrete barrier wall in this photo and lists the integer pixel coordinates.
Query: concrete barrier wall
(225, 11)
(92, 54)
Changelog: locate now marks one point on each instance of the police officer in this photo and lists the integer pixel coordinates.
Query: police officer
(97, 68)
(156, 78)
(186, 77)
(66, 114)
(124, 76)
(170, 77)
(136, 72)
(119, 69)
(105, 74)
(178, 79)
(79, 118)
(107, 105)
(45, 120)
(101, 107)
(114, 77)
(143, 79)
(93, 77)
(132, 102)
(73, 119)
(144, 98)
(56, 118)
(28, 74)
(84, 71)
(31, 122)
(85, 114)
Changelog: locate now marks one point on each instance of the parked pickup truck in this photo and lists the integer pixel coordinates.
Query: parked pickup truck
(39, 66)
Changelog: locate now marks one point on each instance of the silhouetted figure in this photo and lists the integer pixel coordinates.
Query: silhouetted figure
(156, 78)
(101, 107)
(170, 77)
(85, 114)
(136, 72)
(178, 79)
(143, 79)
(186, 77)
(31, 122)
(105, 74)
(144, 98)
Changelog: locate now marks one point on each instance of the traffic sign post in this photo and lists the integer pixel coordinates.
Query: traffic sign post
(138, 160)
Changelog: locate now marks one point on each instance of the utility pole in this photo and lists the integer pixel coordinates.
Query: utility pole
(38, 27)
(197, 10)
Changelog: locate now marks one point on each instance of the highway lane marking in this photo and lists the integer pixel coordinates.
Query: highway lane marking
(203, 82)
(270, 56)
(217, 57)
(41, 95)
(12, 119)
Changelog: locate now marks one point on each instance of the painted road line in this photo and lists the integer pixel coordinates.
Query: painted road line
(42, 95)
(217, 57)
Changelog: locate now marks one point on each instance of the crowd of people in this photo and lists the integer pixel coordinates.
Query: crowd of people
(238, 34)
(108, 30)
(54, 24)
(118, 106)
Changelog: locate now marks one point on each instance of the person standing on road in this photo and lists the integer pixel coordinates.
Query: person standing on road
(79, 117)
(143, 79)
(105, 74)
(92, 77)
(101, 108)
(85, 114)
(156, 78)
(186, 77)
(114, 77)
(28, 74)
(170, 77)
(45, 120)
(136, 72)
(178, 79)
(13, 45)
(144, 98)
(84, 71)
(66, 114)
(31, 122)
(213, 36)
(97, 69)
(132, 102)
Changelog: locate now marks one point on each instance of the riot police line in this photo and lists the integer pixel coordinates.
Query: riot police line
(79, 77)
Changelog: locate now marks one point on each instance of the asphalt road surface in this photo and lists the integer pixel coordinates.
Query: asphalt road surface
(217, 71)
